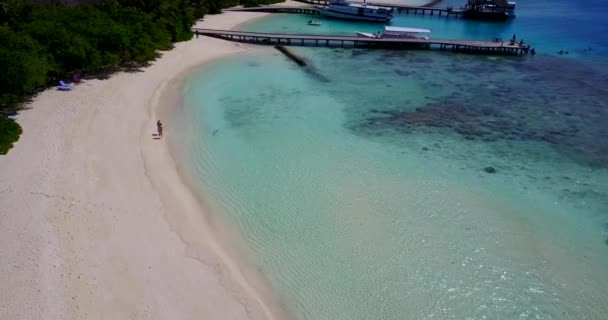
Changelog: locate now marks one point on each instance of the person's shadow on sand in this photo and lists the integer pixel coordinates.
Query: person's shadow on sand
(155, 136)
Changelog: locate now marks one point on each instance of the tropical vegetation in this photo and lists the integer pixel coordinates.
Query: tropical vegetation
(9, 133)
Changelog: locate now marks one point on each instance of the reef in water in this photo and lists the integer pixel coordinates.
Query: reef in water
(560, 103)
(489, 169)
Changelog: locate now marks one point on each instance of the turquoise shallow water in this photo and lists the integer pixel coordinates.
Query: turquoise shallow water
(359, 183)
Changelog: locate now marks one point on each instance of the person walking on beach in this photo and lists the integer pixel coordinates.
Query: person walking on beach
(159, 128)
(76, 77)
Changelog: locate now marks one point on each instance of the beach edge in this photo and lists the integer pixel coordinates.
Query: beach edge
(97, 221)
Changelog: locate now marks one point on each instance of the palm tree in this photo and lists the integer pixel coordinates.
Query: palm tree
(4, 9)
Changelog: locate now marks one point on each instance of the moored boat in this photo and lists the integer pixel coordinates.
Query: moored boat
(489, 10)
(342, 9)
(398, 33)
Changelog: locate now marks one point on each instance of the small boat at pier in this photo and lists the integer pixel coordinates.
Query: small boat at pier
(397, 33)
(342, 9)
(489, 10)
(313, 23)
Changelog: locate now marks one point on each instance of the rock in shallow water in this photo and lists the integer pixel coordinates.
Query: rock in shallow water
(489, 169)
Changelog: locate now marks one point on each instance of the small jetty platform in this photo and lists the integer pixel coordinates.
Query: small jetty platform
(320, 40)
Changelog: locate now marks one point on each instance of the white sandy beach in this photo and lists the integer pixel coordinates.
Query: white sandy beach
(95, 222)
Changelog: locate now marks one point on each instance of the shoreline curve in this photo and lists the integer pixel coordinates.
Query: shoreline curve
(97, 223)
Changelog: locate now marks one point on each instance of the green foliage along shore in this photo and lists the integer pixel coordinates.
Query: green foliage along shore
(41, 44)
(9, 133)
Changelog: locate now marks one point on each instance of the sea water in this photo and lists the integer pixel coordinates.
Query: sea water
(363, 184)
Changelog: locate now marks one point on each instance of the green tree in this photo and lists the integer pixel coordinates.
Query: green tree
(23, 66)
(9, 133)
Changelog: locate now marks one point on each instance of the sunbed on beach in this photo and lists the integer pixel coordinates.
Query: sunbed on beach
(64, 86)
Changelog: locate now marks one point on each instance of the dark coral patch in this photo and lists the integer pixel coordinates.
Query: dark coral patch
(489, 169)
(560, 104)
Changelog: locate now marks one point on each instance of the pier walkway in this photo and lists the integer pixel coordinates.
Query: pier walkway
(277, 9)
(431, 10)
(402, 9)
(465, 46)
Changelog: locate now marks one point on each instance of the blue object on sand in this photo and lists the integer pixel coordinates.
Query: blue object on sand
(64, 86)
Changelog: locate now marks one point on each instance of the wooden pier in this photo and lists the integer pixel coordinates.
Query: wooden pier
(441, 12)
(278, 9)
(423, 10)
(464, 46)
(401, 9)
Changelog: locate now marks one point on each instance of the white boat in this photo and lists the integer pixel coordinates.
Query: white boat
(511, 8)
(489, 10)
(398, 32)
(313, 23)
(342, 9)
